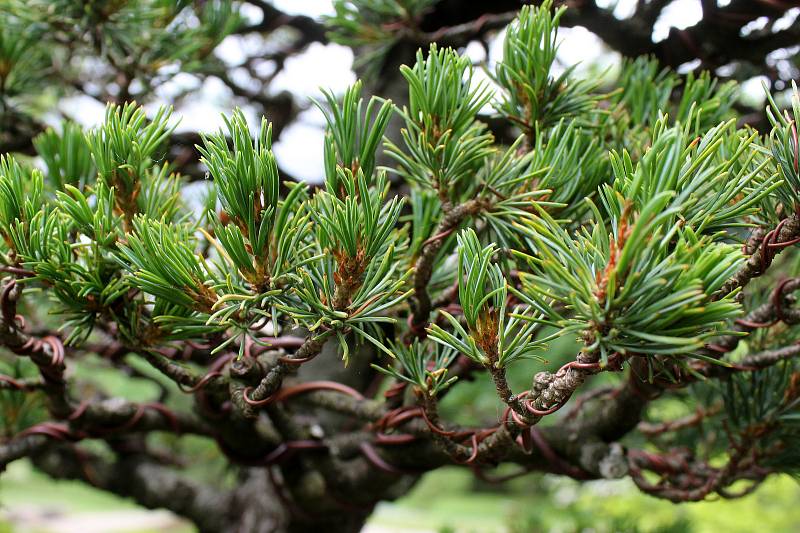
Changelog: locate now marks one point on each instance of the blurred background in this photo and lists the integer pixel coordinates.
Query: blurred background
(274, 61)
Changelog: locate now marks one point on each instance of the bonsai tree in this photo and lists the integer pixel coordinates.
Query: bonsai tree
(615, 273)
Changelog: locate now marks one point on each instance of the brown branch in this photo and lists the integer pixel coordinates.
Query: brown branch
(763, 254)
(272, 19)
(453, 216)
(148, 482)
(177, 373)
(21, 447)
(460, 34)
(684, 479)
(46, 353)
(22, 384)
(765, 315)
(694, 419)
(272, 381)
(770, 357)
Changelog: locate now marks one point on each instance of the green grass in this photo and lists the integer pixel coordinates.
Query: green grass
(450, 499)
(21, 485)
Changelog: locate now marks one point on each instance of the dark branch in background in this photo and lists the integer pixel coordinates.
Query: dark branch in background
(716, 40)
(272, 19)
(17, 129)
(139, 477)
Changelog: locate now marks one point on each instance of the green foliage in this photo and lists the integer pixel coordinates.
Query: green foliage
(144, 36)
(783, 146)
(97, 222)
(21, 197)
(615, 285)
(645, 92)
(665, 218)
(246, 177)
(711, 193)
(353, 134)
(704, 100)
(423, 366)
(71, 242)
(532, 96)
(259, 234)
(164, 265)
(445, 145)
(124, 146)
(22, 63)
(426, 209)
(66, 156)
(514, 183)
(356, 228)
(572, 165)
(114, 242)
(355, 276)
(645, 89)
(124, 150)
(160, 194)
(81, 277)
(493, 337)
(763, 409)
(369, 24)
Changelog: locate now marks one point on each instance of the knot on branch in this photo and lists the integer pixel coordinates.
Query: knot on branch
(614, 464)
(245, 369)
(551, 389)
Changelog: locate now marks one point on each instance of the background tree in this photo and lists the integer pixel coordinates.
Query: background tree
(626, 238)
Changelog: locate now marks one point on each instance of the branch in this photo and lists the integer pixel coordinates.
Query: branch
(453, 216)
(273, 18)
(46, 353)
(647, 12)
(764, 316)
(770, 357)
(691, 420)
(23, 384)
(172, 370)
(460, 34)
(272, 381)
(716, 38)
(149, 483)
(117, 416)
(21, 447)
(684, 479)
(630, 37)
(771, 245)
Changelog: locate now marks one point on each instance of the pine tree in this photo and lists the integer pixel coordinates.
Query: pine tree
(629, 248)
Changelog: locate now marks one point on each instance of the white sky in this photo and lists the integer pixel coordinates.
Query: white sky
(300, 148)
